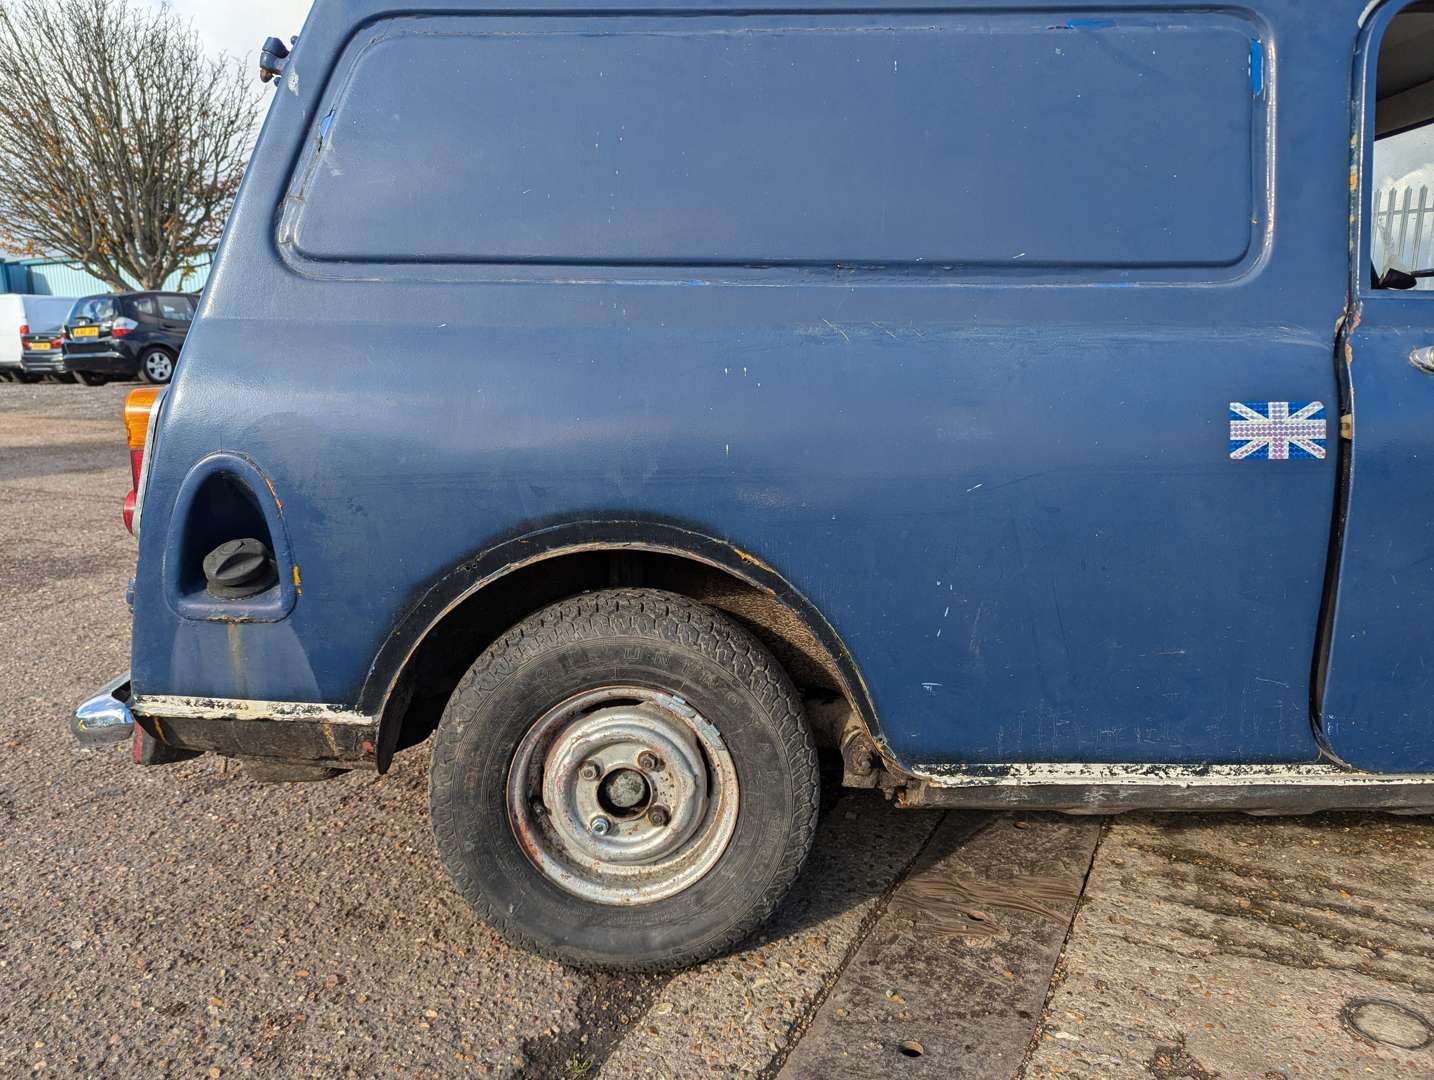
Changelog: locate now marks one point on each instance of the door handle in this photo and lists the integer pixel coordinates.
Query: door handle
(1423, 359)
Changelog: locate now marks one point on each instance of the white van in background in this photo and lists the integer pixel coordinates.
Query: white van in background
(22, 313)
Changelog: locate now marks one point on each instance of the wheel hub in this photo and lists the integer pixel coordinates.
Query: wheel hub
(625, 790)
(623, 795)
(158, 365)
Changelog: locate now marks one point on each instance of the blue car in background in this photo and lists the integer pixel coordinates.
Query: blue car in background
(1030, 405)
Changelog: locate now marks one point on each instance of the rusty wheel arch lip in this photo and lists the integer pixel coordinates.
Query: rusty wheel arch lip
(497, 561)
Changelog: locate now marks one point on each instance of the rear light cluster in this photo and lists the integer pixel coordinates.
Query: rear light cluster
(121, 327)
(138, 407)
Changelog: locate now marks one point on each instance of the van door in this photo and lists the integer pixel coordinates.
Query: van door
(1378, 703)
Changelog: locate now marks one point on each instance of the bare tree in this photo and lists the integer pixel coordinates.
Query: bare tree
(121, 142)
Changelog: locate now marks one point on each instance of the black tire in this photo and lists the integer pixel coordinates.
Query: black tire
(89, 378)
(65, 377)
(636, 637)
(27, 377)
(156, 366)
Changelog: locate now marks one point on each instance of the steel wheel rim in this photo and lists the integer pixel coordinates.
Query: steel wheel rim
(623, 795)
(158, 365)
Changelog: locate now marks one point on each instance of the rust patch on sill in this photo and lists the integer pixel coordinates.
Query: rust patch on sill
(211, 708)
(298, 582)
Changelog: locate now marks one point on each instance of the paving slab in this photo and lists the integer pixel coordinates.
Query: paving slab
(1240, 948)
(734, 1016)
(950, 981)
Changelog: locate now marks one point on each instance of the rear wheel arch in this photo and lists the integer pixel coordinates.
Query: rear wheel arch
(476, 602)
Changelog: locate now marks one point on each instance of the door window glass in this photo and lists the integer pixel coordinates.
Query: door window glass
(145, 306)
(1402, 183)
(95, 309)
(175, 308)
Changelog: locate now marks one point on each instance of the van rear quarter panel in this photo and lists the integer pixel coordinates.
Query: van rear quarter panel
(938, 312)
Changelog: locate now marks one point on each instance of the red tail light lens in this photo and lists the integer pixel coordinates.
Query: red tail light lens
(24, 329)
(121, 327)
(137, 408)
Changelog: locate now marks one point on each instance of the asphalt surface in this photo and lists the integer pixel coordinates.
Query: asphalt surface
(186, 921)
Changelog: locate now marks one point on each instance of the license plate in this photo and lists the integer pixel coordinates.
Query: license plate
(39, 346)
(85, 331)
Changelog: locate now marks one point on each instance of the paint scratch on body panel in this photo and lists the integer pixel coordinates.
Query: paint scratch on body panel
(278, 502)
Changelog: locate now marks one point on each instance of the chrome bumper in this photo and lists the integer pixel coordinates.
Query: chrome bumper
(105, 718)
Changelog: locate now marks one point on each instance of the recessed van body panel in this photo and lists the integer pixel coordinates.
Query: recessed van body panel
(817, 140)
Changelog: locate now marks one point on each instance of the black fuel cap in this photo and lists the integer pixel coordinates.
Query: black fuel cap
(240, 568)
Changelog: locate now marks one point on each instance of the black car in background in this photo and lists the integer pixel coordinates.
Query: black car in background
(126, 335)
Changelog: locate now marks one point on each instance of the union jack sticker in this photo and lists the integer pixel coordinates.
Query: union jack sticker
(1277, 430)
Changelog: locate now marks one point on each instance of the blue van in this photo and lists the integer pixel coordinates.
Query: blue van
(1029, 406)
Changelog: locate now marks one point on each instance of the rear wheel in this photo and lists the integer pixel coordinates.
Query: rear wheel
(89, 378)
(27, 377)
(625, 780)
(64, 377)
(156, 366)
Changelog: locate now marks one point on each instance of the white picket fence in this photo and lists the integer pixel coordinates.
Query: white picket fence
(1404, 230)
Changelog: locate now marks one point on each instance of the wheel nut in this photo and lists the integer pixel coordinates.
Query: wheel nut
(659, 816)
(649, 761)
(600, 826)
(589, 771)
